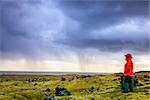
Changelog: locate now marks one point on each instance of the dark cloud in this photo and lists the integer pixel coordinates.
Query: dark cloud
(38, 27)
(109, 45)
(94, 14)
(21, 29)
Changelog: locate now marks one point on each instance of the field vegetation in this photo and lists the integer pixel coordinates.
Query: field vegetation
(81, 87)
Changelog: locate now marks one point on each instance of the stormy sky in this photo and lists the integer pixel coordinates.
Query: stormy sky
(73, 35)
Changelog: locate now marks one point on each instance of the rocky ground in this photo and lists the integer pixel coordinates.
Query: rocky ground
(71, 87)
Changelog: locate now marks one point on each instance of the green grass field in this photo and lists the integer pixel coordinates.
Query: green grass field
(106, 87)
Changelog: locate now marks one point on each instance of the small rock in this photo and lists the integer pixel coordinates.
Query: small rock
(97, 89)
(35, 84)
(115, 80)
(48, 90)
(147, 87)
(92, 98)
(147, 93)
(15, 84)
(63, 79)
(146, 80)
(48, 97)
(140, 84)
(91, 89)
(147, 83)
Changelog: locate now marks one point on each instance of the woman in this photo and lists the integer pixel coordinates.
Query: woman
(128, 74)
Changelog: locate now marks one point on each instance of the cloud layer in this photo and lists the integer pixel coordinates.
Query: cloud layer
(72, 30)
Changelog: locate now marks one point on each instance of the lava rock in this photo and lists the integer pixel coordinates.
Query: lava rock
(63, 79)
(48, 90)
(140, 84)
(91, 89)
(48, 97)
(62, 91)
(35, 84)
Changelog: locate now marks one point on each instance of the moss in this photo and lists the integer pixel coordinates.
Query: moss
(105, 88)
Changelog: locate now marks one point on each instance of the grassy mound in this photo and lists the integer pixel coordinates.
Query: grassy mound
(97, 87)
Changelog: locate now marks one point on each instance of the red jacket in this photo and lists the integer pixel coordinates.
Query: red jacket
(128, 69)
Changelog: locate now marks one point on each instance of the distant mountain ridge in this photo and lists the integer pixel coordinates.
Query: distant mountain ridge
(49, 73)
(143, 72)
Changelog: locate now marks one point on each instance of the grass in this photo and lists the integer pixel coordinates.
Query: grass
(106, 87)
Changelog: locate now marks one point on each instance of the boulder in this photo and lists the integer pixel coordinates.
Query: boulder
(62, 91)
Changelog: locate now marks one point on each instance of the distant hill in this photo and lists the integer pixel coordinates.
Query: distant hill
(49, 73)
(143, 72)
(137, 74)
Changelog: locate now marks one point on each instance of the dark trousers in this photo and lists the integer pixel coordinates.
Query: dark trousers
(128, 84)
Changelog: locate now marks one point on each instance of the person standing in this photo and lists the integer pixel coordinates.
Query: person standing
(128, 83)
